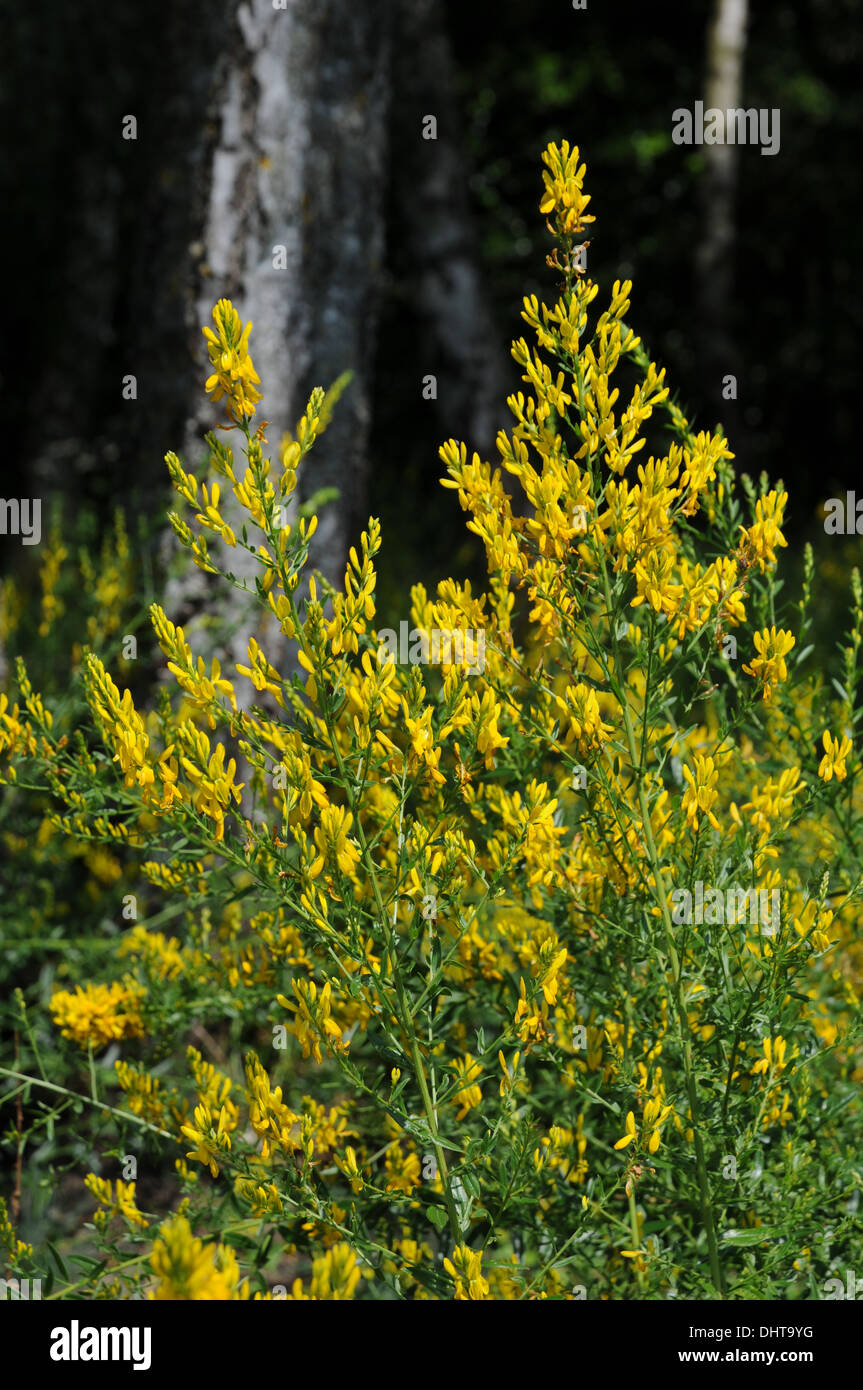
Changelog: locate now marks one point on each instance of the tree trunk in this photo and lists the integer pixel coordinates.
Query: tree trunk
(294, 235)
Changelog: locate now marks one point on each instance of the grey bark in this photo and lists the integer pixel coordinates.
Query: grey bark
(300, 163)
(321, 107)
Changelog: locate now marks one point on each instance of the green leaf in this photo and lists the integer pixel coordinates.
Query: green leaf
(437, 1216)
(60, 1262)
(92, 1268)
(733, 1237)
(471, 1183)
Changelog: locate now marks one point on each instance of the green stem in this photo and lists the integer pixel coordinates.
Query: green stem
(633, 1223)
(99, 1105)
(94, 1093)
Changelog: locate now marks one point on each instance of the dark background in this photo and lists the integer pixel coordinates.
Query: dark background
(94, 236)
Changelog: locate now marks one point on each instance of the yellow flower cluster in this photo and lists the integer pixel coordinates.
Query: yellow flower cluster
(335, 1276)
(15, 1249)
(835, 752)
(313, 1023)
(234, 377)
(119, 1202)
(700, 795)
(187, 1269)
(124, 730)
(147, 1097)
(465, 1269)
(563, 177)
(769, 665)
(94, 1015)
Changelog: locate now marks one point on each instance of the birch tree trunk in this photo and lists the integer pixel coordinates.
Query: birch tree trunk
(320, 138)
(294, 235)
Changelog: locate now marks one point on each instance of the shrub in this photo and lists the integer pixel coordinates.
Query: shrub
(528, 976)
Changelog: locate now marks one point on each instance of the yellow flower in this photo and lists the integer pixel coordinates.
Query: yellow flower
(143, 1092)
(655, 1115)
(312, 1022)
(551, 962)
(469, 1094)
(122, 726)
(403, 1170)
(16, 734)
(348, 1166)
(774, 1056)
(509, 1075)
(654, 580)
(765, 534)
(209, 1139)
(778, 1110)
(123, 1202)
(422, 749)
(160, 954)
(331, 838)
(817, 921)
(262, 1201)
(774, 802)
(700, 467)
(334, 1276)
(563, 178)
(700, 794)
(98, 1014)
(586, 727)
(15, 1248)
(769, 665)
(187, 1269)
(486, 712)
(234, 376)
(631, 1132)
(530, 1022)
(271, 1120)
(203, 689)
(52, 607)
(833, 762)
(212, 778)
(465, 1268)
